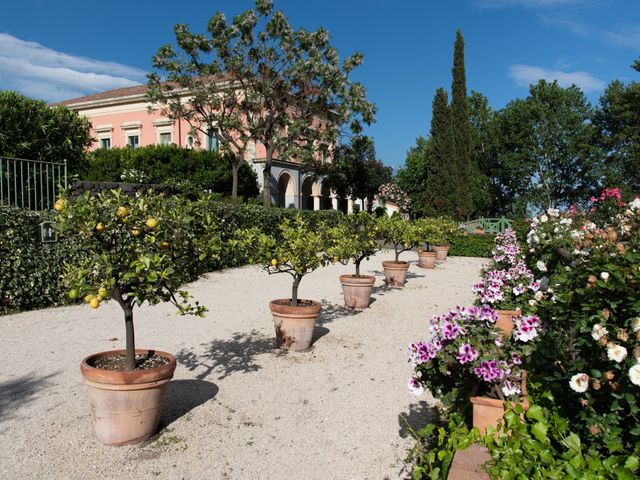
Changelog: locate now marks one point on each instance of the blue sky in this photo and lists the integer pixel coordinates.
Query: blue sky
(62, 49)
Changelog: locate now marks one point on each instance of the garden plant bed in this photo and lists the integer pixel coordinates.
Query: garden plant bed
(227, 414)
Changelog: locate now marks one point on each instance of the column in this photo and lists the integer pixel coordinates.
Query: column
(316, 202)
(349, 204)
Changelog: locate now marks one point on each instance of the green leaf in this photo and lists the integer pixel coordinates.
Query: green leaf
(632, 463)
(572, 441)
(535, 412)
(539, 430)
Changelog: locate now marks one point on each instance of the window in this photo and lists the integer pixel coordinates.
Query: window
(105, 143)
(133, 141)
(165, 138)
(189, 141)
(212, 139)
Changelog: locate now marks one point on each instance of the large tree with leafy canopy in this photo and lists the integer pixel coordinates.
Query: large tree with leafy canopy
(257, 79)
(546, 157)
(33, 130)
(355, 170)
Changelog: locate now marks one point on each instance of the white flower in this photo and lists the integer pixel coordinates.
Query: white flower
(634, 374)
(635, 324)
(566, 221)
(532, 302)
(544, 219)
(617, 353)
(579, 382)
(635, 205)
(598, 331)
(604, 276)
(414, 387)
(538, 295)
(553, 212)
(509, 389)
(541, 266)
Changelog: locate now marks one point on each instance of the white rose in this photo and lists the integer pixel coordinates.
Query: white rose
(579, 382)
(635, 324)
(598, 331)
(538, 295)
(544, 219)
(604, 276)
(634, 374)
(541, 266)
(635, 204)
(617, 353)
(553, 212)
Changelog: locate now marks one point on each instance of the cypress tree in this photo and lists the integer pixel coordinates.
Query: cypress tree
(461, 130)
(440, 192)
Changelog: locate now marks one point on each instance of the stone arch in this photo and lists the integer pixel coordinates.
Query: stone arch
(286, 190)
(325, 198)
(307, 192)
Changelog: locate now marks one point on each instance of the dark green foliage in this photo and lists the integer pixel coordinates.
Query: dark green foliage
(472, 245)
(30, 270)
(483, 139)
(412, 178)
(461, 130)
(32, 130)
(190, 169)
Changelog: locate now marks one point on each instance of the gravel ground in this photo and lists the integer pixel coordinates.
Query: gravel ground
(237, 408)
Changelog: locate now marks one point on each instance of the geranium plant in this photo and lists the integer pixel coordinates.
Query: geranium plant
(507, 283)
(299, 250)
(466, 348)
(354, 239)
(401, 234)
(138, 250)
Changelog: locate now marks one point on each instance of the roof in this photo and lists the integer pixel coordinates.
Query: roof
(108, 95)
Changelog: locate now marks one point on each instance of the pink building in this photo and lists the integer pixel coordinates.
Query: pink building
(121, 118)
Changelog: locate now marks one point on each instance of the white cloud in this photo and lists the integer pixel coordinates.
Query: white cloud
(528, 3)
(525, 75)
(44, 73)
(626, 36)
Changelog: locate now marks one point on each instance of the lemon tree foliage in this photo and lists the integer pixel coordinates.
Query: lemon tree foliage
(354, 239)
(138, 249)
(298, 250)
(437, 231)
(401, 234)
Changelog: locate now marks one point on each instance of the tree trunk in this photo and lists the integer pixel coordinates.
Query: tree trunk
(266, 178)
(235, 166)
(294, 291)
(131, 342)
(397, 251)
(358, 268)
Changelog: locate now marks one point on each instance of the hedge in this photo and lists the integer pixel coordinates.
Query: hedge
(30, 270)
(472, 245)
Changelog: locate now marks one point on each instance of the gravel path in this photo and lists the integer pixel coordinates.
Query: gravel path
(237, 408)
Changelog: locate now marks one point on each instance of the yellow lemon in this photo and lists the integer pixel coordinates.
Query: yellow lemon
(102, 293)
(94, 303)
(164, 245)
(99, 227)
(152, 223)
(123, 212)
(136, 232)
(60, 204)
(274, 262)
(88, 298)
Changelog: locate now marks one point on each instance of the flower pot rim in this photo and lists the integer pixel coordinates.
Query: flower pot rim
(127, 377)
(358, 280)
(393, 265)
(281, 307)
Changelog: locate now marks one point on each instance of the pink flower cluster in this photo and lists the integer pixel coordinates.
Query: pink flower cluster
(613, 193)
(527, 328)
(393, 193)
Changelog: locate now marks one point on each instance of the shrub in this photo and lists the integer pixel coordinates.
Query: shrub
(472, 245)
(354, 239)
(401, 234)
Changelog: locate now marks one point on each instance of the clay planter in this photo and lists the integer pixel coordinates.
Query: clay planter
(487, 411)
(506, 320)
(442, 251)
(427, 259)
(294, 325)
(395, 273)
(357, 290)
(126, 405)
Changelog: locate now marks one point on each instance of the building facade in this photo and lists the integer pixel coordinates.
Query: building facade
(123, 117)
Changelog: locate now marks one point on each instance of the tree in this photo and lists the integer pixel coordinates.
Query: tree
(482, 122)
(356, 172)
(283, 88)
(546, 157)
(32, 130)
(461, 130)
(412, 178)
(441, 188)
(617, 122)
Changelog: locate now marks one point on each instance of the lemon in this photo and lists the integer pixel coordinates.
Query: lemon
(152, 223)
(102, 293)
(123, 212)
(164, 245)
(73, 294)
(136, 232)
(94, 303)
(88, 298)
(274, 262)
(99, 227)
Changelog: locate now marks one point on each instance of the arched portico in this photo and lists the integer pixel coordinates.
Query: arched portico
(286, 197)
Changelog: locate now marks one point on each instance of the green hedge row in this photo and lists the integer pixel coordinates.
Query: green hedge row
(472, 245)
(30, 270)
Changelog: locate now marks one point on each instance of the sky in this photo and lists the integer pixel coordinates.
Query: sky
(58, 50)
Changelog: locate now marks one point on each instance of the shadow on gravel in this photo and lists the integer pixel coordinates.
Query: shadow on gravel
(418, 416)
(183, 396)
(226, 357)
(16, 393)
(410, 275)
(318, 333)
(332, 311)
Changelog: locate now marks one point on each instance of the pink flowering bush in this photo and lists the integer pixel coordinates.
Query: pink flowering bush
(507, 283)
(391, 192)
(464, 349)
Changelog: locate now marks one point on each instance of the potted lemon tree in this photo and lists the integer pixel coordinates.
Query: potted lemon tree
(297, 251)
(403, 236)
(137, 250)
(352, 240)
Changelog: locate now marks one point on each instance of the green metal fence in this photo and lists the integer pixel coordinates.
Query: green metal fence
(31, 184)
(487, 225)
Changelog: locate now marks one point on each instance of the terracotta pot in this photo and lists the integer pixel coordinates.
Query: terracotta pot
(294, 325)
(442, 251)
(506, 320)
(488, 411)
(395, 273)
(126, 405)
(357, 290)
(427, 259)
